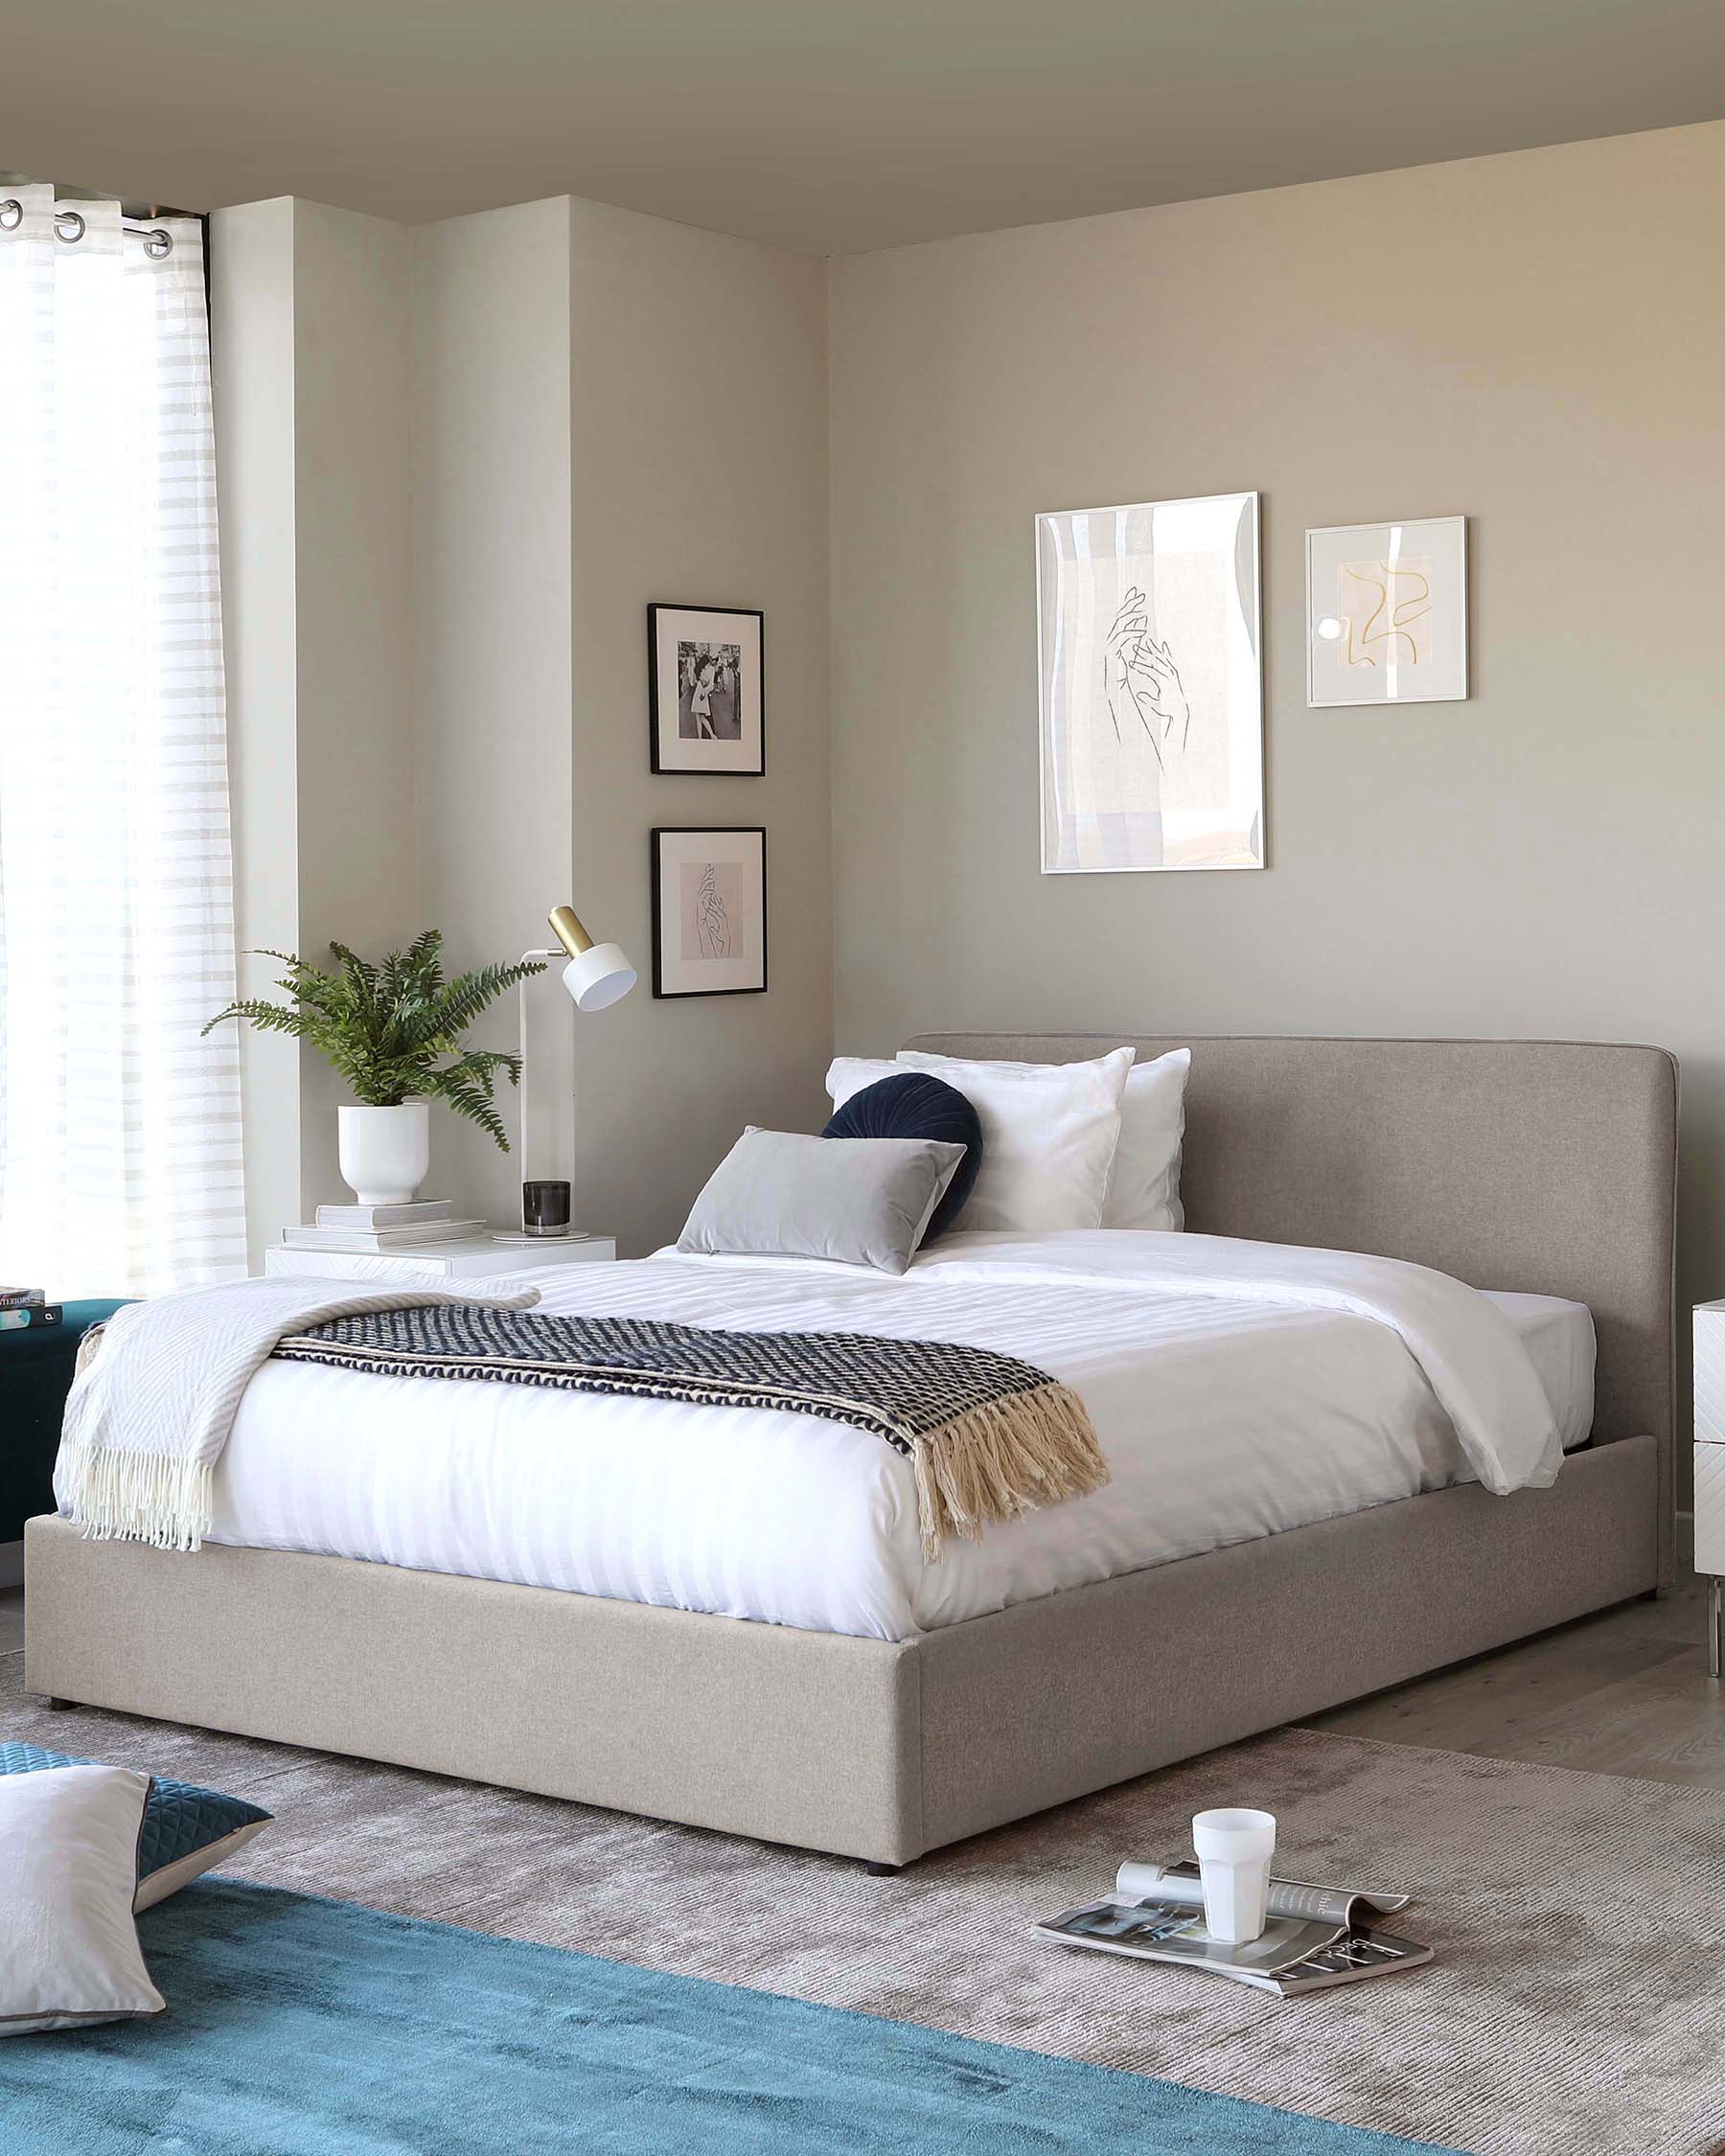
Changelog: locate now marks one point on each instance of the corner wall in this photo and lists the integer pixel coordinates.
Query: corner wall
(698, 395)
(309, 324)
(459, 464)
(492, 640)
(252, 373)
(358, 844)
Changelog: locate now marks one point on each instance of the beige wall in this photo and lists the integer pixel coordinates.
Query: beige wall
(310, 358)
(460, 461)
(698, 396)
(1533, 340)
(357, 845)
(608, 409)
(491, 636)
(252, 370)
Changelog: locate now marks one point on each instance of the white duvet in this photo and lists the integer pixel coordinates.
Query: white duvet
(1238, 1389)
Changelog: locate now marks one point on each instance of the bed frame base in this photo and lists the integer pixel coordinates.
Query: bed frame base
(864, 1748)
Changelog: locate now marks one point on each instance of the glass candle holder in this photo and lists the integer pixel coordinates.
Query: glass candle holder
(545, 1208)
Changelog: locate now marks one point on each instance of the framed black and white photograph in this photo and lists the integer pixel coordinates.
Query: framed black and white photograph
(709, 912)
(703, 672)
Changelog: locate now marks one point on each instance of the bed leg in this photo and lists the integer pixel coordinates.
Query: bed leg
(58, 1706)
(881, 1871)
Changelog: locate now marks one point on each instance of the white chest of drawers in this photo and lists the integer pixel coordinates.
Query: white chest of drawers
(478, 1258)
(1710, 1469)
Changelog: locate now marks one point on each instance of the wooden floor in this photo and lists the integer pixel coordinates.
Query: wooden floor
(1623, 1693)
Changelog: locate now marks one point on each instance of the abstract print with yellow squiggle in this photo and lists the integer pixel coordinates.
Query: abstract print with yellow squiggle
(1388, 609)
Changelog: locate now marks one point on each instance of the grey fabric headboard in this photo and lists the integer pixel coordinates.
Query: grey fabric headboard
(1548, 1166)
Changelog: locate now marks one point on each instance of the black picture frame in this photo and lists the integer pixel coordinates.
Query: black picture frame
(655, 870)
(662, 699)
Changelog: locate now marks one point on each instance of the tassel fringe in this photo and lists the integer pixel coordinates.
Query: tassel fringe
(159, 1498)
(1001, 1461)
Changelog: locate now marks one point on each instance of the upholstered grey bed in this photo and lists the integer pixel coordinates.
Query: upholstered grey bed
(1541, 1166)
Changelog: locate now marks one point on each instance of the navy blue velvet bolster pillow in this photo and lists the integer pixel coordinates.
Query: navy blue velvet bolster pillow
(919, 1106)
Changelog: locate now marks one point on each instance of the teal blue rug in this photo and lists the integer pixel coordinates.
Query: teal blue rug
(306, 2028)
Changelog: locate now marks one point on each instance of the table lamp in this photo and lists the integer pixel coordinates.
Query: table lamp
(597, 975)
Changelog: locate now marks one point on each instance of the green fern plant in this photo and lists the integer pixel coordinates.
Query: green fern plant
(386, 1027)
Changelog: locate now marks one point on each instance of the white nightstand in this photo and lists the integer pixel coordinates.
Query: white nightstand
(1709, 1470)
(477, 1259)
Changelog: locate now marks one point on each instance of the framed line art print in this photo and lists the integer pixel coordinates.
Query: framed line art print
(709, 912)
(1151, 686)
(1387, 612)
(707, 705)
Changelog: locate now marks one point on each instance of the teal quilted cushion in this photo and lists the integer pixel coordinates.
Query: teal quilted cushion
(179, 1820)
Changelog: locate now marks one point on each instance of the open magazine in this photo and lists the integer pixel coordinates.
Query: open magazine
(1313, 1936)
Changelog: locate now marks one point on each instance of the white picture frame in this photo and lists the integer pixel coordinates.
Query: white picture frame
(1150, 686)
(709, 910)
(1387, 612)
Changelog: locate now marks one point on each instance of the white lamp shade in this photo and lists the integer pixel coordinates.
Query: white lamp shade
(601, 976)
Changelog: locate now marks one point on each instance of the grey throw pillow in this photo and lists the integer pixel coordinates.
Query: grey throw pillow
(857, 1201)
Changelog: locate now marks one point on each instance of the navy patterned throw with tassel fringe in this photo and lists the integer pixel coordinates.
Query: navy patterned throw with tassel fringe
(990, 1438)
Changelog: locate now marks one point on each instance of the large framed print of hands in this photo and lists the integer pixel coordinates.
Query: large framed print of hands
(1143, 685)
(1151, 686)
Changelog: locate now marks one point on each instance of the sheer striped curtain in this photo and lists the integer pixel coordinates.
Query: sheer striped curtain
(120, 1157)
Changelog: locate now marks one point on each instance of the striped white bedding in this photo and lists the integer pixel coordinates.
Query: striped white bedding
(1226, 1412)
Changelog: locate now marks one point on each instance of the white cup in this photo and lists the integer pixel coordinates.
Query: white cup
(1234, 1849)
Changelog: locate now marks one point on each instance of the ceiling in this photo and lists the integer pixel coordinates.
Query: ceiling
(830, 126)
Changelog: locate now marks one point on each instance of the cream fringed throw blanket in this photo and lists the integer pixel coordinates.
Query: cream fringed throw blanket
(155, 1397)
(988, 1437)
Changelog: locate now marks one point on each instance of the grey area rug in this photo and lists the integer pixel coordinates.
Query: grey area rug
(1577, 2003)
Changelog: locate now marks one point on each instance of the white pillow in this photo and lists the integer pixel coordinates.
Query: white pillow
(69, 1951)
(1143, 1186)
(1050, 1131)
(1144, 1189)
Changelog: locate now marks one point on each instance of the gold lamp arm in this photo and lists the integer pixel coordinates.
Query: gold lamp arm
(566, 928)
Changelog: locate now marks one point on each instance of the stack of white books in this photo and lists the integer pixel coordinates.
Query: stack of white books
(420, 1224)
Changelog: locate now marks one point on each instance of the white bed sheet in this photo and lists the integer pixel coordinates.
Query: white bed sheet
(1248, 1419)
(1558, 1337)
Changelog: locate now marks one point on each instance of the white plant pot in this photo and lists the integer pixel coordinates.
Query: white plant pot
(386, 1152)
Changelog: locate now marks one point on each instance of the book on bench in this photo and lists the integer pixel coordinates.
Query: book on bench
(1313, 1936)
(425, 1236)
(411, 1213)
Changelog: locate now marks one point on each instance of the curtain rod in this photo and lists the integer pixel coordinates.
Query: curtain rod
(70, 227)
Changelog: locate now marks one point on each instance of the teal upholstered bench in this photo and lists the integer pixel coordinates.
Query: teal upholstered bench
(36, 1375)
